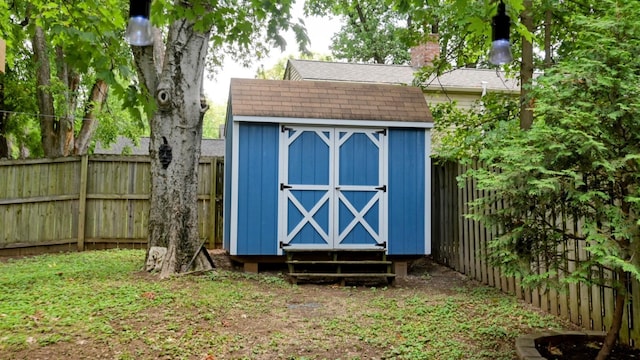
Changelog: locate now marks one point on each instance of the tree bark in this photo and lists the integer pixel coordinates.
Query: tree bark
(71, 81)
(5, 152)
(48, 125)
(526, 69)
(97, 98)
(612, 334)
(548, 19)
(177, 90)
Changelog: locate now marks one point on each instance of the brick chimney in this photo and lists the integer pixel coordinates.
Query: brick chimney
(425, 53)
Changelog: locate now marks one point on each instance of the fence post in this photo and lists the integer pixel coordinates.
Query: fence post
(82, 200)
(212, 203)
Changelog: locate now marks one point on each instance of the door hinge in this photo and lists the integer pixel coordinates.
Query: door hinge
(383, 188)
(283, 186)
(383, 132)
(284, 128)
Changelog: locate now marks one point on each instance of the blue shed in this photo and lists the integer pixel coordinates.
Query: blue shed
(320, 165)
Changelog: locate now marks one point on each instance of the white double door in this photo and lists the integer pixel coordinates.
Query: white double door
(332, 188)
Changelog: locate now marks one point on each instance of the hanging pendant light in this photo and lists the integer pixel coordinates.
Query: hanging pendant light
(138, 31)
(500, 53)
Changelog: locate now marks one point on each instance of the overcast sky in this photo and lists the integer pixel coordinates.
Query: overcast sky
(319, 30)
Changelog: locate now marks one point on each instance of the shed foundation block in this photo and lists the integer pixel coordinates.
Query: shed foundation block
(251, 267)
(400, 269)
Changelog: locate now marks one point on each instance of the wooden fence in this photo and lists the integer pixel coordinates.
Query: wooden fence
(461, 244)
(91, 202)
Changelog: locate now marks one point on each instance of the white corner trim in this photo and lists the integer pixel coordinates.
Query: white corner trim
(233, 222)
(427, 192)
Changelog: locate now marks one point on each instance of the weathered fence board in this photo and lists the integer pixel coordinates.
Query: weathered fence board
(461, 243)
(91, 202)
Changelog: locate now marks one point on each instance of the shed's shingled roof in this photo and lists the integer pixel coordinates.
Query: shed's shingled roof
(457, 79)
(328, 100)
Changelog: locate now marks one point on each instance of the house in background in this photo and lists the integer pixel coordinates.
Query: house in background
(465, 85)
(326, 166)
(125, 146)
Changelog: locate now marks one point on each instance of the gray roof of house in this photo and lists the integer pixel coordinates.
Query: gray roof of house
(125, 146)
(464, 79)
(351, 72)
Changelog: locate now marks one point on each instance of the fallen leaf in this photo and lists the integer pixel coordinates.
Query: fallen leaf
(554, 350)
(594, 345)
(209, 357)
(149, 295)
(37, 316)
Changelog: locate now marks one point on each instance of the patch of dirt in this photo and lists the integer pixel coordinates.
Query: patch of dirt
(581, 348)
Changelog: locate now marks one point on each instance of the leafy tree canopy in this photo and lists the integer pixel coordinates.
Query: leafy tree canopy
(62, 58)
(578, 164)
(372, 32)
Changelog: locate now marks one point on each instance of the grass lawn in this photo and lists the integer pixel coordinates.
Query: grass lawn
(99, 305)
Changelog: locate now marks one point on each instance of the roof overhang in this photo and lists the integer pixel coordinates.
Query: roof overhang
(333, 122)
(467, 90)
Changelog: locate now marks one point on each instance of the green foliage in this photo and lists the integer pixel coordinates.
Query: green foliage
(245, 31)
(371, 32)
(213, 119)
(459, 134)
(579, 163)
(84, 44)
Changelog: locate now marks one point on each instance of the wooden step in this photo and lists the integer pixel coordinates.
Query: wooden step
(339, 262)
(300, 250)
(343, 275)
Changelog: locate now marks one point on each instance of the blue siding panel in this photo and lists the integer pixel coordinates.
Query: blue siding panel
(406, 198)
(358, 161)
(258, 189)
(309, 160)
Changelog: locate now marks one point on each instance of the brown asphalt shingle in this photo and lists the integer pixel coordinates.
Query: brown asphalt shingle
(328, 100)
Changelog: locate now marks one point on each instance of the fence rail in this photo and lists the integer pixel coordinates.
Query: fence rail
(461, 244)
(91, 202)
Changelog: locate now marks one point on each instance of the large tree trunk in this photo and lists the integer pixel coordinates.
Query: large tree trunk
(48, 123)
(56, 133)
(5, 151)
(548, 20)
(177, 90)
(71, 81)
(616, 324)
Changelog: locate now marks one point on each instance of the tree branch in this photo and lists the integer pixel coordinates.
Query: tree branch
(97, 98)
